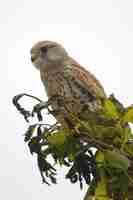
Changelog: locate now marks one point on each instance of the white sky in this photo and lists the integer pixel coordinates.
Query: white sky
(97, 33)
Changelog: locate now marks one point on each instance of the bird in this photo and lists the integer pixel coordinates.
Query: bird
(69, 84)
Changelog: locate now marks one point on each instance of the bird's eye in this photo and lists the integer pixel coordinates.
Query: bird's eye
(44, 49)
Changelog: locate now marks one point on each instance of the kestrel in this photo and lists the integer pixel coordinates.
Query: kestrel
(63, 77)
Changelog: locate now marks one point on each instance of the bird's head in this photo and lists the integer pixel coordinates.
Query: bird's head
(47, 52)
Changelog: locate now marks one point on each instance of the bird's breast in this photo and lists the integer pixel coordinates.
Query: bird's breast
(74, 95)
(57, 85)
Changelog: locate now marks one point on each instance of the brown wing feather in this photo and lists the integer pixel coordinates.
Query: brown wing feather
(87, 80)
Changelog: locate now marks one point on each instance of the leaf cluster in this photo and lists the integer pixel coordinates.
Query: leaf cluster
(108, 171)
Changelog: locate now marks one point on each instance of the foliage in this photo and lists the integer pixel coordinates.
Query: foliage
(108, 171)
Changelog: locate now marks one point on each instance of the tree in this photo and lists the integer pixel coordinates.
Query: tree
(98, 149)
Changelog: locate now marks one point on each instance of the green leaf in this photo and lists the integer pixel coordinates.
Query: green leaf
(57, 144)
(101, 190)
(100, 158)
(63, 146)
(119, 183)
(107, 133)
(128, 148)
(128, 116)
(110, 109)
(127, 135)
(116, 160)
(57, 138)
(119, 106)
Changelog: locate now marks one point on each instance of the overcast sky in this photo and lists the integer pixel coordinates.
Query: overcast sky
(97, 33)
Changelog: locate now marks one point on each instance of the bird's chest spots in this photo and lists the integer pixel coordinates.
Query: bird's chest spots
(57, 85)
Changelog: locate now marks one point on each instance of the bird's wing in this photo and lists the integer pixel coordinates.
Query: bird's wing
(85, 79)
